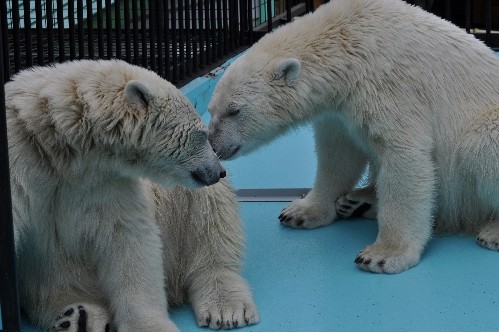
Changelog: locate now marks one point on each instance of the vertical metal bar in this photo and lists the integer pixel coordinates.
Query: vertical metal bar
(181, 39)
(117, 28)
(213, 31)
(9, 295)
(135, 29)
(128, 42)
(109, 30)
(39, 32)
(143, 30)
(244, 22)
(50, 30)
(188, 38)
(269, 16)
(60, 31)
(468, 16)
(219, 28)
(200, 35)
(152, 34)
(71, 19)
(166, 27)
(195, 36)
(207, 27)
(250, 23)
(16, 21)
(232, 24)
(288, 10)
(488, 21)
(159, 35)
(90, 29)
(5, 41)
(100, 30)
(447, 10)
(225, 28)
(27, 33)
(173, 20)
(81, 41)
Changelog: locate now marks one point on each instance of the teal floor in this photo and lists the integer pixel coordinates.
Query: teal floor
(306, 280)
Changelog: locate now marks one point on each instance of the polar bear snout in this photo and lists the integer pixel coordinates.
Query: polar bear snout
(208, 175)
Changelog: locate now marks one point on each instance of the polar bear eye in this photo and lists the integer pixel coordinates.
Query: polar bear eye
(233, 111)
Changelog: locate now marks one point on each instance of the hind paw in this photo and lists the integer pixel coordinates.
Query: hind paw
(489, 236)
(83, 317)
(358, 203)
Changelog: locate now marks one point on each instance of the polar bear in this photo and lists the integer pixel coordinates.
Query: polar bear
(387, 84)
(93, 146)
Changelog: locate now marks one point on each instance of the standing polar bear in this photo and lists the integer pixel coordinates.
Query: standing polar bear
(98, 242)
(384, 83)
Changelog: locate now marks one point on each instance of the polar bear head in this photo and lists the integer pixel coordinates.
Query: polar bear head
(108, 119)
(255, 101)
(163, 132)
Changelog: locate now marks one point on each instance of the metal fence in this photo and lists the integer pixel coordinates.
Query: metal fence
(175, 38)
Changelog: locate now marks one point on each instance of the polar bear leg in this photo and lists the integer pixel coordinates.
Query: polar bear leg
(340, 164)
(83, 317)
(358, 203)
(478, 159)
(405, 201)
(131, 277)
(222, 300)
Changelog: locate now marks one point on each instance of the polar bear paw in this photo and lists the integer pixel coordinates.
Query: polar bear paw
(379, 258)
(83, 317)
(222, 300)
(357, 203)
(488, 237)
(228, 314)
(303, 213)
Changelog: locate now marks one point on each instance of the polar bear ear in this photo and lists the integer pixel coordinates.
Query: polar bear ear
(138, 93)
(288, 70)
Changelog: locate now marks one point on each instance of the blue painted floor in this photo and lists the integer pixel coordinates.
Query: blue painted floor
(306, 280)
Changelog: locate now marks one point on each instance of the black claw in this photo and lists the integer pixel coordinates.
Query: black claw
(66, 324)
(346, 207)
(381, 263)
(69, 312)
(366, 262)
(208, 321)
(352, 202)
(236, 324)
(228, 324)
(82, 321)
(361, 210)
(300, 222)
(219, 323)
(280, 216)
(107, 328)
(287, 218)
(358, 260)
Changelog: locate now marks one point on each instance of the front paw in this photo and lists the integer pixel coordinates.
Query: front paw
(229, 314)
(304, 213)
(223, 301)
(380, 258)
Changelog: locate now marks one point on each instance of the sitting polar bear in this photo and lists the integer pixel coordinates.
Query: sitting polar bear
(97, 240)
(384, 83)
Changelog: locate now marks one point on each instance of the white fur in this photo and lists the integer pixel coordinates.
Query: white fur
(384, 83)
(95, 238)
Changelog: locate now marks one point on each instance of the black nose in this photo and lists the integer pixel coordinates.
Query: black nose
(223, 174)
